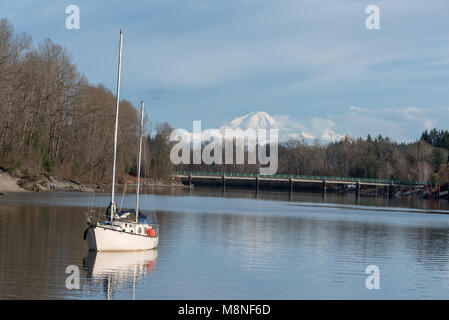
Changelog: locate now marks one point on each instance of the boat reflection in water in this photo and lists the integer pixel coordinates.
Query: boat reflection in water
(119, 271)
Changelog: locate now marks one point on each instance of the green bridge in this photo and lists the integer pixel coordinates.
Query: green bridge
(298, 178)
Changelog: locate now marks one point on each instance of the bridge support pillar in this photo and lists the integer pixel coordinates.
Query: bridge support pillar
(257, 184)
(223, 178)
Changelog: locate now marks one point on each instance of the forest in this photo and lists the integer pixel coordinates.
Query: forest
(54, 121)
(422, 160)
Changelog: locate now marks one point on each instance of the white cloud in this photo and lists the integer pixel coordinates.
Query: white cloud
(354, 108)
(409, 113)
(402, 124)
(305, 135)
(428, 124)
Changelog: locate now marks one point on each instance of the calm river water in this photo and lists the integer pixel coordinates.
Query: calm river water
(236, 245)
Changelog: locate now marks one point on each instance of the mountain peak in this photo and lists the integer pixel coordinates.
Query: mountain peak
(288, 128)
(253, 120)
(331, 135)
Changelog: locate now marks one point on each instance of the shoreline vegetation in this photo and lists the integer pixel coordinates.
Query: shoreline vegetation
(55, 130)
(44, 182)
(54, 123)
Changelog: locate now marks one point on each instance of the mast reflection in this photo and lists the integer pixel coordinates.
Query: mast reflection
(118, 271)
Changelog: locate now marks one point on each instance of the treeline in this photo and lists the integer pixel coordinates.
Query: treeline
(440, 141)
(368, 158)
(362, 157)
(156, 164)
(52, 120)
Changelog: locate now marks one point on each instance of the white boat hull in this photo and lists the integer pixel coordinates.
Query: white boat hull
(106, 239)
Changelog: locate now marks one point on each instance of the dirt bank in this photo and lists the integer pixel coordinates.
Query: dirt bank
(9, 184)
(44, 182)
(41, 182)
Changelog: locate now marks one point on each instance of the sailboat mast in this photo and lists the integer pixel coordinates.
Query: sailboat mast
(113, 207)
(140, 159)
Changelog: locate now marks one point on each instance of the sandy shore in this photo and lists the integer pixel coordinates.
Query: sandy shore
(48, 183)
(42, 182)
(9, 184)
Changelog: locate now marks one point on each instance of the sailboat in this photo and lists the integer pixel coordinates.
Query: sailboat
(119, 231)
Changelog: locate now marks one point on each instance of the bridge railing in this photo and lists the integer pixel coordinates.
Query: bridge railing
(303, 177)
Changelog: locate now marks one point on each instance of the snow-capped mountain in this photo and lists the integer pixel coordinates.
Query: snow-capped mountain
(288, 128)
(261, 120)
(330, 135)
(253, 120)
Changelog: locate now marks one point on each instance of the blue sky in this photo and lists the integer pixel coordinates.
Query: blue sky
(311, 62)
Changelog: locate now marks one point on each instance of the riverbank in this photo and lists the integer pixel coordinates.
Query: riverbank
(9, 183)
(45, 182)
(41, 182)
